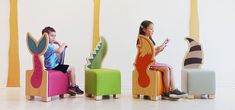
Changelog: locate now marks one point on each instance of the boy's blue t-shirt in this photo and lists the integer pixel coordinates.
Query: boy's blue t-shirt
(51, 59)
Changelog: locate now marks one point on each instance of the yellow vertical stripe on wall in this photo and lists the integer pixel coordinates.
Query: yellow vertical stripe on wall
(96, 35)
(194, 22)
(13, 55)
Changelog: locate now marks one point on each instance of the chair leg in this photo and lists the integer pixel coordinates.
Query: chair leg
(190, 97)
(211, 96)
(61, 95)
(29, 97)
(155, 98)
(97, 98)
(116, 96)
(46, 99)
(136, 96)
(87, 94)
(146, 97)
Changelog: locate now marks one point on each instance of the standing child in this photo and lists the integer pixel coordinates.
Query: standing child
(52, 57)
(146, 29)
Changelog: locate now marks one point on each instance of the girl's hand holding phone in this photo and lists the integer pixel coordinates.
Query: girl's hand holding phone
(165, 43)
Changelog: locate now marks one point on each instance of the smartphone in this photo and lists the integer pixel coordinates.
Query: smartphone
(166, 41)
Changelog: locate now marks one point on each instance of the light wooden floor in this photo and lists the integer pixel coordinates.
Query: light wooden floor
(14, 99)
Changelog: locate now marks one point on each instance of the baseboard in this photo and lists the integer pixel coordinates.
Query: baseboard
(4, 85)
(225, 84)
(129, 87)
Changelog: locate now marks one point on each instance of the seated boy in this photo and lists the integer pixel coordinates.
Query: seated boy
(52, 57)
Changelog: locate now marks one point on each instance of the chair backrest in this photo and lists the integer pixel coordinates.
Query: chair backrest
(37, 49)
(194, 56)
(144, 59)
(96, 57)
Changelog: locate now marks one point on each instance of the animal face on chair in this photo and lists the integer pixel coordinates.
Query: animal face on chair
(37, 48)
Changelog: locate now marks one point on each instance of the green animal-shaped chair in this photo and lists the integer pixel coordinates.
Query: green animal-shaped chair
(101, 81)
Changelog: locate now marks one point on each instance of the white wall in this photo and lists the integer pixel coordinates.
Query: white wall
(119, 23)
(217, 19)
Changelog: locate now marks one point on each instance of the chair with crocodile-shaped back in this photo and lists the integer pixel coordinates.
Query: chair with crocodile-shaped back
(101, 81)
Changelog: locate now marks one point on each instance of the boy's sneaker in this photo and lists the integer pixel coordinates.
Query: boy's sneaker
(71, 94)
(176, 93)
(72, 90)
(78, 90)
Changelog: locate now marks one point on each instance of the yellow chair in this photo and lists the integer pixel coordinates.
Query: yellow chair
(146, 81)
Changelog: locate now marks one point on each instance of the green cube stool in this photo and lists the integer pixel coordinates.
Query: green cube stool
(101, 82)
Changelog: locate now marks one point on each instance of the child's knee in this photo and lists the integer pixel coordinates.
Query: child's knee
(71, 68)
(166, 69)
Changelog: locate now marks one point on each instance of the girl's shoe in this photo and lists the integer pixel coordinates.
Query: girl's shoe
(176, 93)
(166, 96)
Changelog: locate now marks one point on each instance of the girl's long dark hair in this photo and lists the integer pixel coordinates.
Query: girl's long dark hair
(143, 26)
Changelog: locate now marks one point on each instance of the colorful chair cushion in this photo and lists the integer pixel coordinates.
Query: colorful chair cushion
(102, 81)
(197, 82)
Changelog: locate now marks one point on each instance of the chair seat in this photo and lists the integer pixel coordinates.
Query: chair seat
(102, 81)
(155, 87)
(53, 83)
(55, 86)
(198, 81)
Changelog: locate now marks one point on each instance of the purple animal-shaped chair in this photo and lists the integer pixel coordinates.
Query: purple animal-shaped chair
(39, 81)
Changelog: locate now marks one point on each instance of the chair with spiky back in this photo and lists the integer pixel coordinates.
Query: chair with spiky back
(41, 82)
(101, 81)
(146, 80)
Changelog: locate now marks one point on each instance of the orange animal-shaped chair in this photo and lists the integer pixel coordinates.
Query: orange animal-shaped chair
(146, 81)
